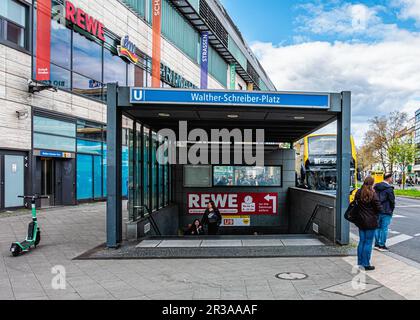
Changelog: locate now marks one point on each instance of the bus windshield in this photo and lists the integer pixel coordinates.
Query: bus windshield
(325, 180)
(322, 145)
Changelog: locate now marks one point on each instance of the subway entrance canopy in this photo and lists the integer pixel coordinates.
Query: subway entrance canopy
(286, 117)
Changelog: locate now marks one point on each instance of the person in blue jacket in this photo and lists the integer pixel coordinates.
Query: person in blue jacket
(386, 194)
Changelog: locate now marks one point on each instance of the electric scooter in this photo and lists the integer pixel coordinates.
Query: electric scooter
(34, 234)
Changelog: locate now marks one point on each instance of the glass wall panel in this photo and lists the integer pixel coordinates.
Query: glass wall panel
(97, 177)
(87, 57)
(125, 162)
(88, 87)
(84, 177)
(60, 45)
(86, 146)
(60, 78)
(13, 11)
(49, 142)
(115, 69)
(146, 168)
(154, 173)
(54, 126)
(89, 130)
(104, 164)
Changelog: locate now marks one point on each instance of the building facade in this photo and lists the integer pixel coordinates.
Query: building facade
(53, 133)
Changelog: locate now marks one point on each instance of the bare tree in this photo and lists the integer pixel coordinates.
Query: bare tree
(381, 137)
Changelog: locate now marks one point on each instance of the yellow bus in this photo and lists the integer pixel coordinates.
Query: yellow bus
(316, 163)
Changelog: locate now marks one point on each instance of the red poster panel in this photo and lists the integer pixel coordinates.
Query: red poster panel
(43, 40)
(156, 50)
(241, 203)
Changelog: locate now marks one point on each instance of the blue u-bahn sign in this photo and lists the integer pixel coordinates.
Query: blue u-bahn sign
(234, 98)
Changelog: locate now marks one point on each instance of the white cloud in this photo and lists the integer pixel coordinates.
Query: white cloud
(409, 9)
(383, 76)
(347, 19)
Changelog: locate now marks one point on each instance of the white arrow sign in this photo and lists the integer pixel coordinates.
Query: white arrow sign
(272, 198)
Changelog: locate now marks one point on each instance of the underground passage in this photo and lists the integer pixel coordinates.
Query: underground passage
(178, 163)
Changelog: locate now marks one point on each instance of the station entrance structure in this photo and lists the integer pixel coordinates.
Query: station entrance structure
(286, 117)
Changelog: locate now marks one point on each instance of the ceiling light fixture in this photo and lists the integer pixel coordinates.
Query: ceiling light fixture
(233, 116)
(164, 115)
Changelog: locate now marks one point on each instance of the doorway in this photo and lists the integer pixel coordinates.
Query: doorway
(57, 181)
(12, 180)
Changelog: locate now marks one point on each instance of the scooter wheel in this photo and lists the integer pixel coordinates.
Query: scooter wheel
(16, 250)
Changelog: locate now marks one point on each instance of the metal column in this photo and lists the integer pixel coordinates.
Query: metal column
(114, 168)
(343, 168)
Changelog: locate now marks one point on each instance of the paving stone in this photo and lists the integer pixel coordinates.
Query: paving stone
(180, 244)
(348, 289)
(302, 242)
(221, 243)
(263, 243)
(149, 244)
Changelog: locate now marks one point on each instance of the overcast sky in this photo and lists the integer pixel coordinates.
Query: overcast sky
(371, 48)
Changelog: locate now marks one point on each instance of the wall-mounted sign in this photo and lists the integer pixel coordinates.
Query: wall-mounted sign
(174, 79)
(236, 221)
(84, 21)
(241, 203)
(204, 59)
(232, 70)
(127, 50)
(156, 42)
(43, 41)
(223, 98)
(53, 154)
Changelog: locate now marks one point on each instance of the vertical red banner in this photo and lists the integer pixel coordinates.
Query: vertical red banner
(156, 50)
(43, 40)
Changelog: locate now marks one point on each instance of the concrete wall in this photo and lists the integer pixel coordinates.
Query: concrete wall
(264, 224)
(302, 205)
(167, 220)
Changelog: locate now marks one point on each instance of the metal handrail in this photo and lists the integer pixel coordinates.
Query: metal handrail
(314, 214)
(150, 218)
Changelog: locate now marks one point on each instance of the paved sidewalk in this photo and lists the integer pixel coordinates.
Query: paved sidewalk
(69, 232)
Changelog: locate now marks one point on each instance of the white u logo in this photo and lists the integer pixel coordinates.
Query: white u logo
(138, 95)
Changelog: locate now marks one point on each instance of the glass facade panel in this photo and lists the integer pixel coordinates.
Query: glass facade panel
(53, 126)
(92, 147)
(13, 11)
(146, 169)
(176, 28)
(88, 87)
(125, 165)
(217, 66)
(60, 77)
(322, 145)
(14, 33)
(84, 177)
(49, 142)
(97, 177)
(60, 45)
(87, 57)
(154, 167)
(115, 69)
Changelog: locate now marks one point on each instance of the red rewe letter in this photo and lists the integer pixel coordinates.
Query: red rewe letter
(70, 12)
(91, 25)
(101, 32)
(80, 20)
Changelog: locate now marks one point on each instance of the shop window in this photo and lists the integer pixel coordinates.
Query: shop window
(87, 57)
(88, 87)
(60, 45)
(97, 177)
(13, 21)
(247, 176)
(125, 168)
